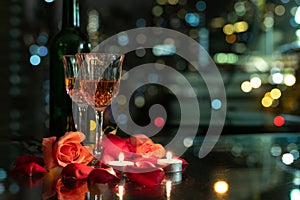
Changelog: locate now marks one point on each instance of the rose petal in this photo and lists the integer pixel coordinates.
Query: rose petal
(101, 175)
(29, 169)
(151, 150)
(76, 171)
(113, 145)
(146, 147)
(150, 178)
(28, 159)
(73, 184)
(71, 137)
(184, 164)
(145, 163)
(47, 148)
(139, 139)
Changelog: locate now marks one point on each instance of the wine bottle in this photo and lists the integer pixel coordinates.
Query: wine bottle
(69, 40)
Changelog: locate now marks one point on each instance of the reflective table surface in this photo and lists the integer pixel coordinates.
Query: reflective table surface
(240, 167)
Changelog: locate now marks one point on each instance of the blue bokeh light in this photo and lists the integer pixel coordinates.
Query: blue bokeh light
(216, 104)
(141, 22)
(193, 19)
(33, 49)
(201, 5)
(35, 60)
(42, 51)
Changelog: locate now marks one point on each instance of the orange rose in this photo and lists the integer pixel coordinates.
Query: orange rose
(146, 147)
(67, 149)
(151, 150)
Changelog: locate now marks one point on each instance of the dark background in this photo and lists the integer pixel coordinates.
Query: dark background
(24, 87)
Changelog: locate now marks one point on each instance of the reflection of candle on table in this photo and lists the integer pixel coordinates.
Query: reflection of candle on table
(121, 162)
(168, 188)
(121, 191)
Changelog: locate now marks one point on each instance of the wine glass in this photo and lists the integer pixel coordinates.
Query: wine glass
(71, 69)
(99, 78)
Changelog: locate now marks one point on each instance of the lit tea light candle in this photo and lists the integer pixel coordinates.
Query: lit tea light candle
(121, 162)
(174, 164)
(172, 167)
(168, 188)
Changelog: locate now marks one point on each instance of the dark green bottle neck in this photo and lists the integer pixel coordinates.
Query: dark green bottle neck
(71, 15)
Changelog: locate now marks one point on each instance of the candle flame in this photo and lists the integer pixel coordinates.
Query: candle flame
(121, 157)
(168, 188)
(169, 155)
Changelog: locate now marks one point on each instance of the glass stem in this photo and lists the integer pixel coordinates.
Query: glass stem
(82, 120)
(99, 134)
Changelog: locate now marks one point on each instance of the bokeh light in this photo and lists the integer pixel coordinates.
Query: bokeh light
(241, 26)
(255, 82)
(141, 22)
(266, 101)
(188, 142)
(157, 11)
(275, 93)
(276, 150)
(221, 187)
(123, 39)
(139, 101)
(228, 29)
(159, 122)
(193, 19)
(246, 86)
(35, 60)
(277, 78)
(295, 194)
(289, 80)
(287, 158)
(42, 51)
(201, 5)
(278, 120)
(216, 104)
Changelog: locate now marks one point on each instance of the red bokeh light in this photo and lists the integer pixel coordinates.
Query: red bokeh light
(159, 122)
(278, 120)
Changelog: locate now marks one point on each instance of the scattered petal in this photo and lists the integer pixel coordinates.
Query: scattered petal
(103, 175)
(25, 159)
(29, 169)
(76, 171)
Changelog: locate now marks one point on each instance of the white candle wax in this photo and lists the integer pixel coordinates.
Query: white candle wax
(121, 162)
(171, 165)
(168, 160)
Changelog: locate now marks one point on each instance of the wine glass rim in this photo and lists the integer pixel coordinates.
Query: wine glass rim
(101, 53)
